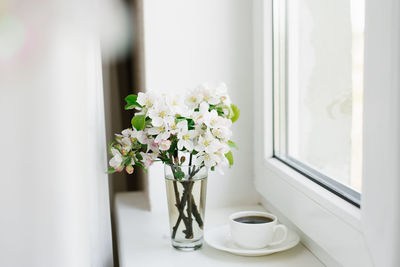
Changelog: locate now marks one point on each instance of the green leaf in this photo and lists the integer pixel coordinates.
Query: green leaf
(174, 145)
(190, 124)
(213, 168)
(138, 122)
(130, 99)
(126, 160)
(137, 163)
(110, 146)
(220, 111)
(229, 157)
(110, 170)
(235, 113)
(131, 102)
(232, 144)
(179, 175)
(138, 156)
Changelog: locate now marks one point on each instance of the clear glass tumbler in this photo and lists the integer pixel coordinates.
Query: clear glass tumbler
(186, 193)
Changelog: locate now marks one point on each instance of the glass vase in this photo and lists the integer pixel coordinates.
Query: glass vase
(186, 193)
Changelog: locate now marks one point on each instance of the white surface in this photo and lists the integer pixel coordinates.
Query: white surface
(219, 237)
(53, 189)
(143, 240)
(381, 168)
(188, 42)
(372, 233)
(298, 199)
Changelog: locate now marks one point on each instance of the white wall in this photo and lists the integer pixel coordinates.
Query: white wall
(188, 42)
(53, 188)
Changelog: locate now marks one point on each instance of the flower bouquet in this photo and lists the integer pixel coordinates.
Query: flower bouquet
(190, 135)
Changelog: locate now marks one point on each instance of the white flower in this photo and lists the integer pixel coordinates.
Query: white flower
(160, 132)
(164, 145)
(127, 132)
(201, 116)
(211, 119)
(172, 127)
(185, 136)
(222, 150)
(209, 95)
(126, 142)
(146, 99)
(182, 126)
(175, 104)
(222, 93)
(209, 159)
(194, 98)
(160, 115)
(142, 137)
(116, 160)
(213, 158)
(220, 126)
(207, 143)
(222, 133)
(153, 146)
(126, 145)
(224, 122)
(148, 159)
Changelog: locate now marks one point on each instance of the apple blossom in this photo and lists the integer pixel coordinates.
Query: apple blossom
(146, 99)
(148, 159)
(202, 115)
(116, 160)
(193, 99)
(160, 132)
(198, 124)
(160, 114)
(164, 145)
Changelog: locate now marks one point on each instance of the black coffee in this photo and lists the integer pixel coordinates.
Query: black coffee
(253, 219)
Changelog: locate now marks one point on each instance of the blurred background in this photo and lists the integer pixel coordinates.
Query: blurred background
(65, 68)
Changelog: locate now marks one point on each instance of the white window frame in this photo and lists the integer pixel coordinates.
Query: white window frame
(337, 232)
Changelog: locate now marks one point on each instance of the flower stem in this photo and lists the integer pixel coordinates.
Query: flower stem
(187, 201)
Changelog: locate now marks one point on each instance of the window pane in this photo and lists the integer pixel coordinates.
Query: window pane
(321, 87)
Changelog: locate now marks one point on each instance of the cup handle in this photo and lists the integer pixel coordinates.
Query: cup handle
(280, 227)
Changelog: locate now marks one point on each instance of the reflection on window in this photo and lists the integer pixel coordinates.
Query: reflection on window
(318, 80)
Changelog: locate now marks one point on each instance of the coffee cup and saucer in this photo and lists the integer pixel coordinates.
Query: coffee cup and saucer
(252, 233)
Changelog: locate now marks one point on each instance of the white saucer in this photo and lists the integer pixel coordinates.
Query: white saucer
(220, 238)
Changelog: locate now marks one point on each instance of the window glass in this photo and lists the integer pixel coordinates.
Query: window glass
(318, 65)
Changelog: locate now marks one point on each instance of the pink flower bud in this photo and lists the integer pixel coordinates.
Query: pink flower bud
(120, 168)
(129, 169)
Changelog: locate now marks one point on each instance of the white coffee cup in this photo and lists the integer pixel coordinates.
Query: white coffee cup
(256, 235)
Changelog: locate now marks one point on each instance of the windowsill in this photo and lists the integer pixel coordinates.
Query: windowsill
(296, 199)
(143, 240)
(338, 206)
